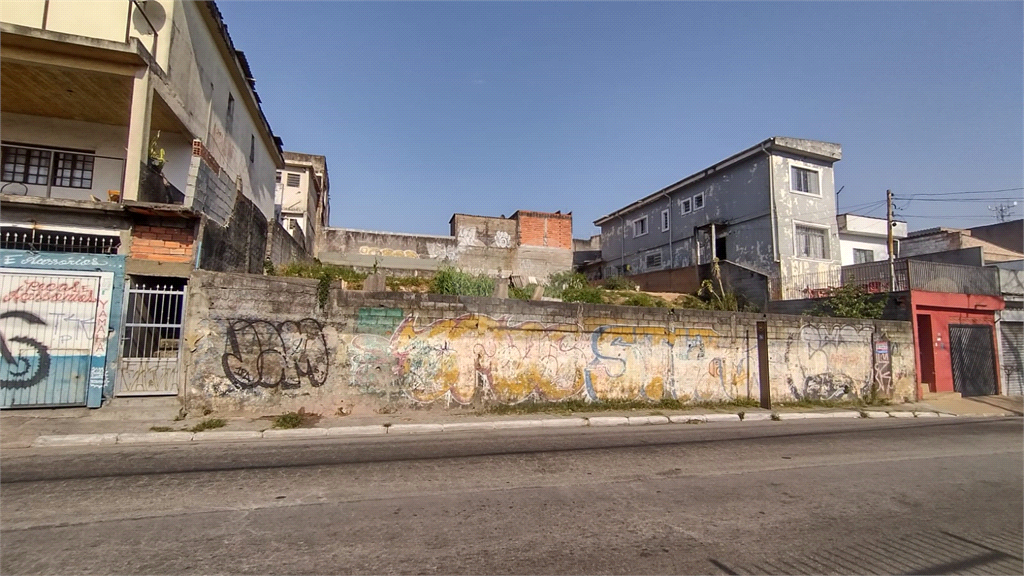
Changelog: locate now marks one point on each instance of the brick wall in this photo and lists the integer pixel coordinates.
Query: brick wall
(163, 243)
(270, 344)
(544, 229)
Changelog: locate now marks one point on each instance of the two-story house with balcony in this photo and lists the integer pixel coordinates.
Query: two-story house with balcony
(134, 150)
(769, 210)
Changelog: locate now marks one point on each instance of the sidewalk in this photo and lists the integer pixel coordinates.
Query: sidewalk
(65, 427)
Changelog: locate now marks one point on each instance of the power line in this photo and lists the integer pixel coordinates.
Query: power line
(966, 192)
(908, 200)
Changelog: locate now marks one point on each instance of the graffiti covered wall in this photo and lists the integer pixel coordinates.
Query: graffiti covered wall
(260, 342)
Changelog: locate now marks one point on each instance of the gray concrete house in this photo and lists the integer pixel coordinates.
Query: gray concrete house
(769, 211)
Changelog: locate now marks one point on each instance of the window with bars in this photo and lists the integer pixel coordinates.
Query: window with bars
(664, 221)
(294, 180)
(812, 242)
(32, 166)
(805, 181)
(25, 166)
(686, 205)
(698, 201)
(72, 170)
(17, 238)
(654, 260)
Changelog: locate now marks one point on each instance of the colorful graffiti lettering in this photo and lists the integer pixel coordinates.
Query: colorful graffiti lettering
(373, 251)
(36, 291)
(276, 355)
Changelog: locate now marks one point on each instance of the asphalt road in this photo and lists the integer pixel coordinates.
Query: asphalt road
(812, 497)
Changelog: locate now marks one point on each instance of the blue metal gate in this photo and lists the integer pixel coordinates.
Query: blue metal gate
(53, 336)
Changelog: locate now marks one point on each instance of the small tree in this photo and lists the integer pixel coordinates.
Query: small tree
(851, 302)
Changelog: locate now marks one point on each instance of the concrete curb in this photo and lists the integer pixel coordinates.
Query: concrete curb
(899, 414)
(608, 421)
(76, 440)
(403, 429)
(226, 435)
(154, 437)
(357, 431)
(295, 433)
(415, 428)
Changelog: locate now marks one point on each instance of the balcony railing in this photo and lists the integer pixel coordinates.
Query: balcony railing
(875, 277)
(38, 174)
(155, 187)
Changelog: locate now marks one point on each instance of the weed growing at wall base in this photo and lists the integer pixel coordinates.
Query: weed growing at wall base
(209, 424)
(578, 406)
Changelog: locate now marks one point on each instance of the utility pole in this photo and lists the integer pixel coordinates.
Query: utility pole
(889, 226)
(1003, 210)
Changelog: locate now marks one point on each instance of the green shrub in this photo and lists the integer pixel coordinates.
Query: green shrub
(586, 294)
(643, 299)
(208, 424)
(851, 302)
(397, 282)
(562, 281)
(619, 283)
(524, 293)
(459, 283)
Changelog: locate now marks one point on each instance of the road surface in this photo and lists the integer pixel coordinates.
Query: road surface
(791, 497)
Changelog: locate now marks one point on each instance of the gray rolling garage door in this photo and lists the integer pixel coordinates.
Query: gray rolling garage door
(1010, 357)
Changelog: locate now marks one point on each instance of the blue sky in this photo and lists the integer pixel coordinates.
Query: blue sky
(424, 109)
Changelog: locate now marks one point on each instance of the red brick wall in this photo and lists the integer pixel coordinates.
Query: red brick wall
(545, 229)
(162, 243)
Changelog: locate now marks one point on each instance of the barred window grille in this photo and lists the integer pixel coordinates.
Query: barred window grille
(56, 241)
(32, 166)
(25, 166)
(73, 170)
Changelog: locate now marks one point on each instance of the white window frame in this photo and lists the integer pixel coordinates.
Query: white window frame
(866, 251)
(828, 241)
(647, 228)
(297, 179)
(793, 166)
(686, 206)
(702, 202)
(664, 221)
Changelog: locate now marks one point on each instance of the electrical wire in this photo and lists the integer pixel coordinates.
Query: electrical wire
(966, 192)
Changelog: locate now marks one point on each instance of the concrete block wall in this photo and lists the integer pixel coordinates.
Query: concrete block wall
(268, 344)
(283, 248)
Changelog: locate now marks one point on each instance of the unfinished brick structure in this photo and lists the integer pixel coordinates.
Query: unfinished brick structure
(529, 244)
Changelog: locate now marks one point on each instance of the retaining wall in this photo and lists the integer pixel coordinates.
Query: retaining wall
(265, 343)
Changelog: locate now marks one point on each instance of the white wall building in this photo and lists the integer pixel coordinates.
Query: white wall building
(865, 238)
(302, 196)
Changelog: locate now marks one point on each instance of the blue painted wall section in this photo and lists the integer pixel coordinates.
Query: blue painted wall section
(102, 370)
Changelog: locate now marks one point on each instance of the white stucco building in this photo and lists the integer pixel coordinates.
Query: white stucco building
(302, 197)
(865, 238)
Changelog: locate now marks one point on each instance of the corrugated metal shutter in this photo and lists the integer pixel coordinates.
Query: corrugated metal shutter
(1010, 355)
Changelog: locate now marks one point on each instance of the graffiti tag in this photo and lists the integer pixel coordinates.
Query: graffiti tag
(275, 355)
